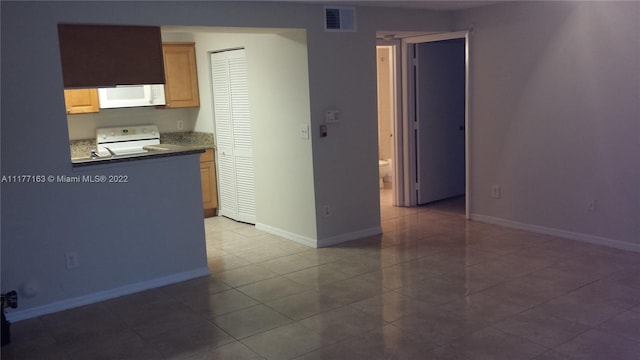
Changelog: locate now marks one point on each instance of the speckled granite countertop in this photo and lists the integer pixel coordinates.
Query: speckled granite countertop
(193, 139)
(189, 142)
(82, 148)
(88, 161)
(196, 140)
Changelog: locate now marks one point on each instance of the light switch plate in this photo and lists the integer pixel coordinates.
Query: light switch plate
(332, 116)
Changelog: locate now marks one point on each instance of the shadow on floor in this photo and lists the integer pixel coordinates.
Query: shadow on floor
(454, 205)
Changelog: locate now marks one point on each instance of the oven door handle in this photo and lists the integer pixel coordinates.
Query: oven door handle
(110, 151)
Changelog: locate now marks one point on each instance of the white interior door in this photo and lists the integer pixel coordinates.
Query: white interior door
(440, 113)
(234, 149)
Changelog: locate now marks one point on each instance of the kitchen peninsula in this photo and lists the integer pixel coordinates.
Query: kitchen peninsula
(88, 152)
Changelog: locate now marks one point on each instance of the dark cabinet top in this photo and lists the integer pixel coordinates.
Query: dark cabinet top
(109, 55)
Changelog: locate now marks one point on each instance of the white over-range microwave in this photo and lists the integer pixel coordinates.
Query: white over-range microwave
(123, 96)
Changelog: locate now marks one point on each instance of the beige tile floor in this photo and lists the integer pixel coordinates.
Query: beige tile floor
(433, 286)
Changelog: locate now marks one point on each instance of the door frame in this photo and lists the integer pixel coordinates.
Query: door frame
(409, 116)
(398, 143)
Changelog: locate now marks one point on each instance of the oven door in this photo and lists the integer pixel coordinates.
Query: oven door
(126, 147)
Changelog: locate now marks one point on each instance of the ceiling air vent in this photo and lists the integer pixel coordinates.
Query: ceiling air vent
(338, 18)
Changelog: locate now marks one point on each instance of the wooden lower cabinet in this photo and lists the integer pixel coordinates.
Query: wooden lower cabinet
(208, 181)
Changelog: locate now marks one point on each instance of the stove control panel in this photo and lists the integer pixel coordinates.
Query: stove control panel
(126, 140)
(127, 133)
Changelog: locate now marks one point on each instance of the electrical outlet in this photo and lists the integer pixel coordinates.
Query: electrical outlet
(71, 260)
(495, 192)
(591, 205)
(326, 210)
(304, 131)
(180, 124)
(30, 288)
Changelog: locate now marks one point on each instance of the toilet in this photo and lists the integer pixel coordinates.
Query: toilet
(384, 171)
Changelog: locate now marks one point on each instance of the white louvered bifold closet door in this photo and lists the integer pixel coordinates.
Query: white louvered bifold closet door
(234, 149)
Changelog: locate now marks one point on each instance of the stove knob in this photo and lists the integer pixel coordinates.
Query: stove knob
(104, 136)
(153, 132)
(111, 133)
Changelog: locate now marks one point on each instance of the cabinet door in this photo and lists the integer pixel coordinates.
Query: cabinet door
(81, 101)
(181, 88)
(208, 182)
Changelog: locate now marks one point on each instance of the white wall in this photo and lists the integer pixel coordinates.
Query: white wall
(279, 104)
(555, 94)
(109, 225)
(385, 87)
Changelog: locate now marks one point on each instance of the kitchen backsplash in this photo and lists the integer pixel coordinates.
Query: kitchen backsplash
(83, 126)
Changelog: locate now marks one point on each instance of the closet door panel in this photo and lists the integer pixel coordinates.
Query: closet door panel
(234, 139)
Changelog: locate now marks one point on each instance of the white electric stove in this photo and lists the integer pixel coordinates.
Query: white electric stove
(126, 140)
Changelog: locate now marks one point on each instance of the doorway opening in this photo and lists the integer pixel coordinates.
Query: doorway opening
(389, 90)
(436, 121)
(385, 61)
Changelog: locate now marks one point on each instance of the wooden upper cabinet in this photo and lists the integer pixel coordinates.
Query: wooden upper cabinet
(81, 101)
(108, 55)
(181, 88)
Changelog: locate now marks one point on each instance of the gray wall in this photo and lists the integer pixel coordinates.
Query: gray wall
(42, 222)
(555, 117)
(342, 70)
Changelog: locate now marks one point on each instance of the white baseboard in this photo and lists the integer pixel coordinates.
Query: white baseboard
(104, 295)
(320, 242)
(287, 235)
(591, 239)
(338, 239)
